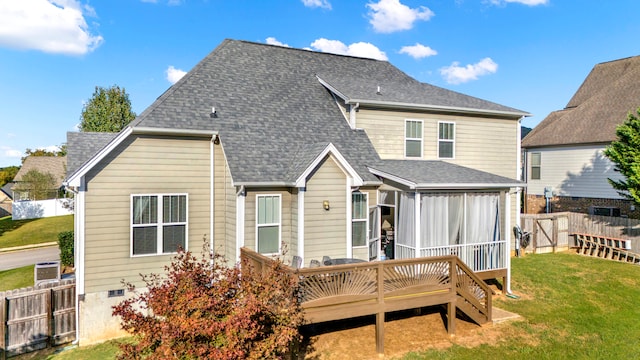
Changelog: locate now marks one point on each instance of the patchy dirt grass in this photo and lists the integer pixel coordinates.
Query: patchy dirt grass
(405, 332)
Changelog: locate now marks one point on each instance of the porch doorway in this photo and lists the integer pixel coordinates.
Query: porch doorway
(387, 227)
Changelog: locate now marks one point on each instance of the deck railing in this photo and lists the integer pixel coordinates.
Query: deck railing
(374, 288)
(485, 256)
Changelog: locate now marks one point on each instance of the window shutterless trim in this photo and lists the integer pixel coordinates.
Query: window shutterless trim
(452, 140)
(159, 224)
(420, 139)
(279, 223)
(537, 166)
(365, 219)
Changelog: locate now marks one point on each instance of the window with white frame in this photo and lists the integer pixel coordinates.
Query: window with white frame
(446, 140)
(536, 161)
(268, 224)
(413, 138)
(158, 224)
(359, 218)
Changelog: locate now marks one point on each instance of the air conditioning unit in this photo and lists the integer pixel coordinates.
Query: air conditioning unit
(46, 272)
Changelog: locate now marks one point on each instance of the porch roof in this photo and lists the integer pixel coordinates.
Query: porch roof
(439, 175)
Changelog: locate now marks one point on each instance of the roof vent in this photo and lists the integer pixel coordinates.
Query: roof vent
(378, 91)
(213, 112)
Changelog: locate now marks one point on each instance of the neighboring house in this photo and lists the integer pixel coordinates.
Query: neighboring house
(564, 153)
(280, 149)
(32, 200)
(54, 165)
(6, 199)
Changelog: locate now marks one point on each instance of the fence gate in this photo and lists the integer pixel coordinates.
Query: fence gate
(549, 232)
(37, 318)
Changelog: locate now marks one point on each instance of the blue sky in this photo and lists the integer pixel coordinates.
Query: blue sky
(528, 54)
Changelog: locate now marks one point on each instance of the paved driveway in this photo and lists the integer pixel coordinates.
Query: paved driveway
(16, 259)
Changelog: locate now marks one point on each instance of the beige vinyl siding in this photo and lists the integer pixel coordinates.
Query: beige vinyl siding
(578, 171)
(250, 216)
(482, 143)
(325, 231)
(225, 208)
(140, 165)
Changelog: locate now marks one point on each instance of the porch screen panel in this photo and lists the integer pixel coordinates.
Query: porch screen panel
(405, 228)
(482, 217)
(441, 219)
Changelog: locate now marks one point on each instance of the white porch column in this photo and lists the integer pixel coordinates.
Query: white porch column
(416, 203)
(301, 192)
(240, 201)
(507, 235)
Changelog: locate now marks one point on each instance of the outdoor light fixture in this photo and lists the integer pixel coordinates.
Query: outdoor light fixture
(325, 205)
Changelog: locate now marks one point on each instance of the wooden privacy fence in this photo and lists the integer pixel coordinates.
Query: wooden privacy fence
(37, 317)
(553, 231)
(374, 288)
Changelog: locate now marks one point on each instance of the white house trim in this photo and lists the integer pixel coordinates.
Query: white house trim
(341, 161)
(301, 192)
(240, 204)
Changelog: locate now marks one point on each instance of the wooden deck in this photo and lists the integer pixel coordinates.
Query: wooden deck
(374, 288)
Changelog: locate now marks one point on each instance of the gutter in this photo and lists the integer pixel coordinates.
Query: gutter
(401, 105)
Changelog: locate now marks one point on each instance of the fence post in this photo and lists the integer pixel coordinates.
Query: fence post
(3, 329)
(50, 324)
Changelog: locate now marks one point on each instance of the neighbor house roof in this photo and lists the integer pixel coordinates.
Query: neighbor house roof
(274, 112)
(6, 190)
(437, 174)
(601, 103)
(56, 165)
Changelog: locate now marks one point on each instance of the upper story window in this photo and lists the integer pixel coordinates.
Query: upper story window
(158, 224)
(359, 218)
(536, 161)
(446, 140)
(413, 138)
(268, 223)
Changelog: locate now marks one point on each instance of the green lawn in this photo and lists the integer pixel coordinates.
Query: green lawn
(16, 278)
(573, 307)
(35, 231)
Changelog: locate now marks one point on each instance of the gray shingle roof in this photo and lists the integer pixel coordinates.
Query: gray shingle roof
(81, 146)
(436, 172)
(602, 102)
(271, 108)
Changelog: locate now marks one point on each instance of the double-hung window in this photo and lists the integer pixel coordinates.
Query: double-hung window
(359, 217)
(268, 223)
(446, 140)
(536, 161)
(413, 138)
(158, 224)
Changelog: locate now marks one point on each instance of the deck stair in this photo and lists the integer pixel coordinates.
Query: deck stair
(606, 248)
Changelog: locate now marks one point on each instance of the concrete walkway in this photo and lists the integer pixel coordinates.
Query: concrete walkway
(498, 315)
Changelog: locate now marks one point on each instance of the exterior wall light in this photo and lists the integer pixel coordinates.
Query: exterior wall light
(325, 205)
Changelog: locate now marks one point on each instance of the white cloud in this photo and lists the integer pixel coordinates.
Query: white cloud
(418, 51)
(389, 16)
(173, 74)
(523, 2)
(456, 74)
(274, 41)
(317, 3)
(11, 135)
(359, 49)
(9, 152)
(51, 26)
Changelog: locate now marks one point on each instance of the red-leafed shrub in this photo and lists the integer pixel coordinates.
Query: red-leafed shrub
(202, 309)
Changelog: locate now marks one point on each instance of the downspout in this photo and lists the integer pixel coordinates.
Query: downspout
(212, 155)
(352, 115)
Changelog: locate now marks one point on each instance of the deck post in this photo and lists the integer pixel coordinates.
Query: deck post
(380, 313)
(451, 305)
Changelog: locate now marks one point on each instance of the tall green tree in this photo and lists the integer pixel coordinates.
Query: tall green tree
(7, 174)
(108, 110)
(625, 153)
(62, 151)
